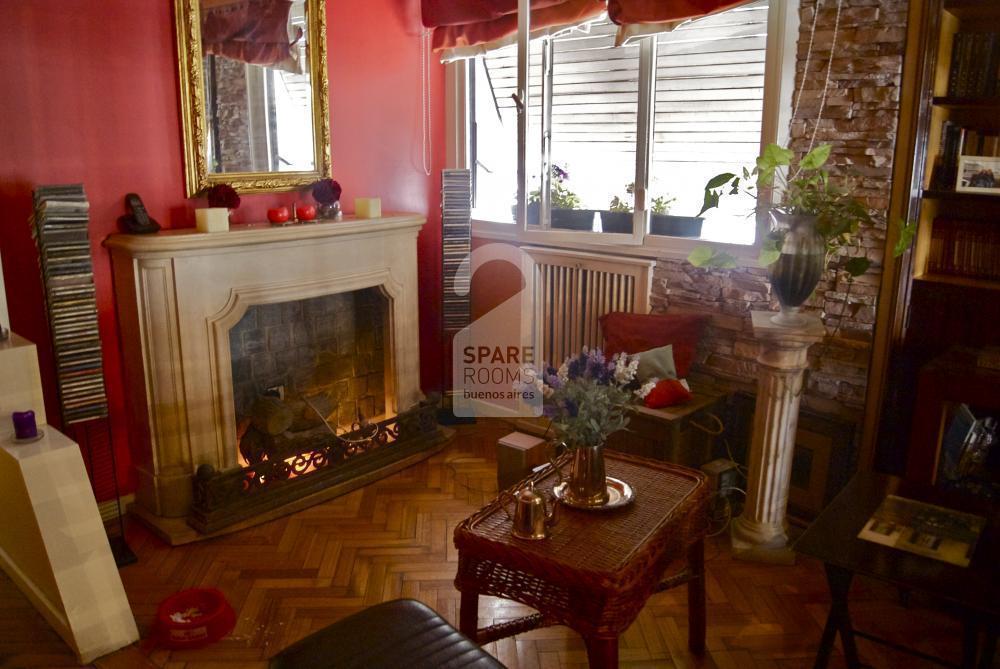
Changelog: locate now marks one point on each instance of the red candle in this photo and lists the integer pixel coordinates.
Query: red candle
(24, 425)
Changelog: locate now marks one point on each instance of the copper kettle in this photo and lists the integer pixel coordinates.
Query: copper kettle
(531, 518)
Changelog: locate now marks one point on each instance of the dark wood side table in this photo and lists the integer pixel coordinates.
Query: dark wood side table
(973, 590)
(597, 569)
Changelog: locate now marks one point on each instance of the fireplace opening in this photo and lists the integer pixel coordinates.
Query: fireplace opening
(307, 369)
(314, 409)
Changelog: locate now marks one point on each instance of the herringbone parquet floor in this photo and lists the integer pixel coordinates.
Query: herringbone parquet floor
(392, 539)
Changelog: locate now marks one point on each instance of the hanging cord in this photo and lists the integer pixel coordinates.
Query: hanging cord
(805, 73)
(425, 102)
(809, 51)
(829, 69)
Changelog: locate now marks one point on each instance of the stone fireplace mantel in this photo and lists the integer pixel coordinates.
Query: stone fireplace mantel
(179, 293)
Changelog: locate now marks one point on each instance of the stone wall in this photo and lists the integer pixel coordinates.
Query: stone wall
(330, 349)
(232, 114)
(859, 119)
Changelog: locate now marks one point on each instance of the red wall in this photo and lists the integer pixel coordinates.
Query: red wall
(90, 95)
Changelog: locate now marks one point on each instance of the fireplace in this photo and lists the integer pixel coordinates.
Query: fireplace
(311, 327)
(308, 363)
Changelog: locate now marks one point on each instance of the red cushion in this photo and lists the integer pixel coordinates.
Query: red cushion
(667, 393)
(635, 333)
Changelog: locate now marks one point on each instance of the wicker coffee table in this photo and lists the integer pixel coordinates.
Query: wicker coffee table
(597, 569)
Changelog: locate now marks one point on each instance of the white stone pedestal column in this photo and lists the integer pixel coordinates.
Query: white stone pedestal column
(759, 533)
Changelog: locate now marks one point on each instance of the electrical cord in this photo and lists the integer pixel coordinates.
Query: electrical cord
(716, 431)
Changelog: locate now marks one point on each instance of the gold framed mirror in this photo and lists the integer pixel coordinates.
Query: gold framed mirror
(254, 93)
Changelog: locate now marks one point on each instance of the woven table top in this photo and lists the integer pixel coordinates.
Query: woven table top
(611, 547)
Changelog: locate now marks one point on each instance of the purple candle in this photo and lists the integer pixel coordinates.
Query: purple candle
(24, 425)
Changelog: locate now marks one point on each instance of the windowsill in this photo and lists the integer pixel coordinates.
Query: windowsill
(653, 246)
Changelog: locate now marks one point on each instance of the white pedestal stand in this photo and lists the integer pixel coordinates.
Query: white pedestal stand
(759, 533)
(52, 541)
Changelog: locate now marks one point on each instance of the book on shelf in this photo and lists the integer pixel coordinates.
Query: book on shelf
(924, 529)
(975, 65)
(965, 248)
(957, 141)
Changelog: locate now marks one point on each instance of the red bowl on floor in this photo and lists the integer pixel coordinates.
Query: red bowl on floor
(193, 618)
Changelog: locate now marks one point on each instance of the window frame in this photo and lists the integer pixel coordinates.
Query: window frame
(779, 83)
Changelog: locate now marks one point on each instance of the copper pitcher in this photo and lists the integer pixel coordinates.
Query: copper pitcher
(531, 518)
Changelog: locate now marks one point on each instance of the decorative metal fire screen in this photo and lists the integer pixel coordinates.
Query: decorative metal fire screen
(343, 463)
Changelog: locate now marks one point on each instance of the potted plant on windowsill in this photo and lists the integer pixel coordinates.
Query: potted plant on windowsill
(666, 224)
(565, 204)
(813, 223)
(618, 217)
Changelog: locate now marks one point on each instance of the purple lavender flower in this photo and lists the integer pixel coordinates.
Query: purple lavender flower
(571, 408)
(596, 367)
(577, 366)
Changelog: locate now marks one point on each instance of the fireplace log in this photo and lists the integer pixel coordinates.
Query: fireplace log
(257, 446)
(271, 415)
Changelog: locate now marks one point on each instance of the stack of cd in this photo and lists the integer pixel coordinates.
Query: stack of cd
(456, 239)
(60, 229)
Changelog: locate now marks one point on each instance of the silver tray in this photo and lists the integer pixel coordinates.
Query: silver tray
(619, 494)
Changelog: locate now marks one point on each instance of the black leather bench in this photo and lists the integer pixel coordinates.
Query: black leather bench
(400, 633)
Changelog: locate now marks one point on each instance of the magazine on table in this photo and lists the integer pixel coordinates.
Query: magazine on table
(924, 529)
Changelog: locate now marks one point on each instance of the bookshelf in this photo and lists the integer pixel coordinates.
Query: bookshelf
(933, 306)
(961, 119)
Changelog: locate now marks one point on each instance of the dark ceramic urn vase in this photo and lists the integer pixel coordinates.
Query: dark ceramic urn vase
(799, 267)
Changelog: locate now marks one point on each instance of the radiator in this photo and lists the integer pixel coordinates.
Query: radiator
(572, 290)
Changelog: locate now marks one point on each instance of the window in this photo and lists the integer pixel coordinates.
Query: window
(590, 122)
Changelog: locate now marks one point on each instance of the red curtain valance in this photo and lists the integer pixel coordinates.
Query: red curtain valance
(250, 31)
(565, 12)
(436, 13)
(664, 11)
(463, 23)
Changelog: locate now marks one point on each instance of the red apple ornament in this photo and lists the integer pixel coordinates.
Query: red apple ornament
(306, 212)
(278, 215)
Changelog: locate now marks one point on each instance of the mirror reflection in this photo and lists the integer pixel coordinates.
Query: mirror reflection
(258, 92)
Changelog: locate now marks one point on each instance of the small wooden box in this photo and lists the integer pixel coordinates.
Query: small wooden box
(517, 454)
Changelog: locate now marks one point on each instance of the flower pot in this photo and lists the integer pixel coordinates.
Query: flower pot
(330, 211)
(675, 226)
(573, 219)
(533, 208)
(799, 267)
(616, 221)
(563, 219)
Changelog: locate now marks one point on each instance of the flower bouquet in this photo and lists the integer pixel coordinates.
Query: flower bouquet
(223, 195)
(327, 192)
(588, 398)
